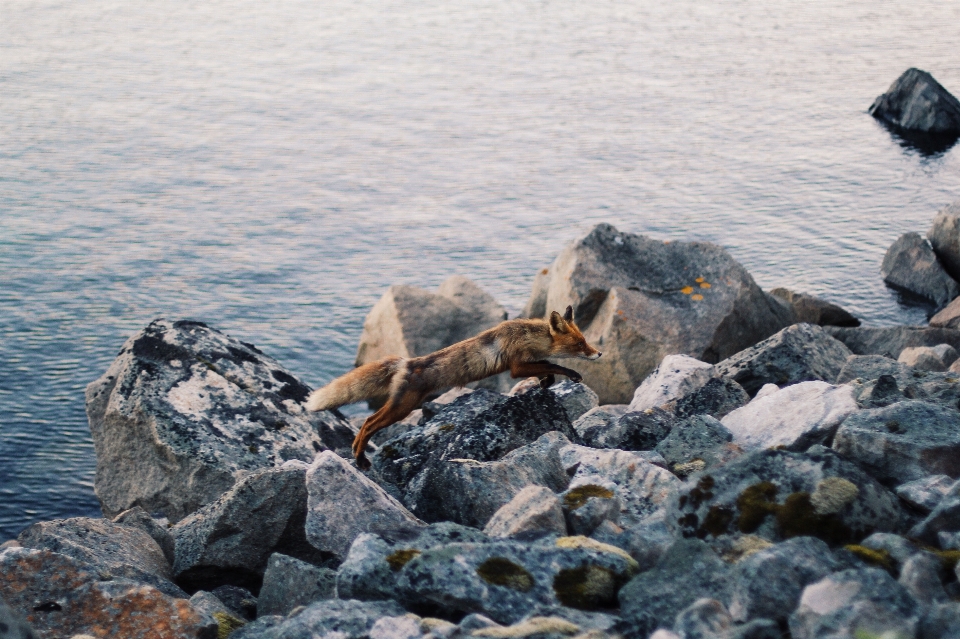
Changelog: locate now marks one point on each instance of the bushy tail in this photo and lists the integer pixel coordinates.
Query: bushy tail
(369, 381)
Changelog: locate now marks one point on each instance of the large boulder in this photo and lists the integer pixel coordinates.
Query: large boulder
(891, 340)
(777, 494)
(813, 310)
(410, 322)
(184, 411)
(798, 353)
(944, 236)
(643, 299)
(230, 540)
(917, 102)
(910, 265)
(902, 442)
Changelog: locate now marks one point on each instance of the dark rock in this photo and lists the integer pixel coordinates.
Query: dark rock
(575, 398)
(635, 430)
(813, 310)
(185, 410)
(911, 266)
(903, 442)
(882, 382)
(239, 601)
(716, 398)
(699, 437)
(643, 298)
(229, 541)
(209, 605)
(891, 340)
(689, 571)
(941, 621)
(872, 367)
(922, 575)
(289, 582)
(598, 427)
(944, 236)
(769, 582)
(798, 353)
(777, 494)
(855, 601)
(917, 102)
(138, 518)
(757, 629)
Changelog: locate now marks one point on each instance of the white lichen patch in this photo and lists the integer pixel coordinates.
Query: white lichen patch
(832, 495)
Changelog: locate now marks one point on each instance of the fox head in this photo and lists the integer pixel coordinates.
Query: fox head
(568, 341)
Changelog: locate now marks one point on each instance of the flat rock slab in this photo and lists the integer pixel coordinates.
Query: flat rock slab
(891, 340)
(185, 410)
(777, 494)
(62, 597)
(644, 299)
(917, 102)
(795, 417)
(905, 441)
(798, 353)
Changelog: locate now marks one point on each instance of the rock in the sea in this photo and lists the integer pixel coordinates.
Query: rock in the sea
(777, 494)
(230, 540)
(925, 493)
(185, 410)
(410, 322)
(891, 340)
(534, 510)
(917, 102)
(910, 265)
(342, 503)
(769, 582)
(865, 602)
(798, 353)
(674, 377)
(63, 597)
(12, 625)
(795, 417)
(905, 441)
(119, 550)
(700, 437)
(944, 236)
(948, 317)
(813, 310)
(289, 582)
(643, 299)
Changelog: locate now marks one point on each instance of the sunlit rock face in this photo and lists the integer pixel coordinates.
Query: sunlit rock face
(185, 411)
(638, 299)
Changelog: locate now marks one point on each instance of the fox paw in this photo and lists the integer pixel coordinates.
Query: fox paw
(576, 379)
(362, 462)
(547, 381)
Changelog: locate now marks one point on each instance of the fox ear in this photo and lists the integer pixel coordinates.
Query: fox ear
(557, 325)
(568, 314)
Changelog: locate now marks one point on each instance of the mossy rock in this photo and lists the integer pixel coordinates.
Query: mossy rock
(579, 496)
(401, 558)
(503, 572)
(226, 624)
(588, 587)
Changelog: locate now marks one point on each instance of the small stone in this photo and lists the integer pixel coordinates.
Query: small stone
(588, 502)
(925, 493)
(703, 619)
(575, 398)
(676, 376)
(921, 576)
(534, 509)
(289, 582)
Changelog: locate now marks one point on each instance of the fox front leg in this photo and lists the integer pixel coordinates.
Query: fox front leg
(543, 368)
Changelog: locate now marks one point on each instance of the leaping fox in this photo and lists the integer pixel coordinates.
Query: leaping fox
(520, 346)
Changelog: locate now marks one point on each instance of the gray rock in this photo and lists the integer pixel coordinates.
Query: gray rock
(642, 300)
(372, 566)
(674, 377)
(717, 398)
(185, 410)
(333, 619)
(469, 492)
(575, 398)
(777, 494)
(289, 582)
(534, 510)
(944, 236)
(637, 430)
(922, 576)
(230, 540)
(910, 265)
(699, 437)
(590, 501)
(12, 625)
(949, 540)
(854, 601)
(260, 629)
(411, 322)
(642, 487)
(689, 571)
(941, 621)
(114, 549)
(703, 619)
(948, 317)
(769, 582)
(795, 417)
(925, 493)
(209, 605)
(896, 547)
(342, 503)
(138, 518)
(871, 367)
(813, 310)
(880, 381)
(757, 629)
(903, 442)
(944, 518)
(927, 358)
(508, 580)
(239, 601)
(798, 353)
(646, 542)
(917, 102)
(421, 415)
(598, 427)
(537, 304)
(891, 340)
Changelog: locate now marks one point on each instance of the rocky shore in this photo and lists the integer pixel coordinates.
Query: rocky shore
(740, 464)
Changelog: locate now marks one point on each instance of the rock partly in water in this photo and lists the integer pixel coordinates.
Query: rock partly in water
(798, 353)
(778, 494)
(410, 322)
(944, 236)
(948, 317)
(342, 503)
(890, 341)
(917, 102)
(674, 377)
(289, 582)
(535, 510)
(813, 310)
(795, 417)
(644, 299)
(185, 410)
(905, 441)
(910, 265)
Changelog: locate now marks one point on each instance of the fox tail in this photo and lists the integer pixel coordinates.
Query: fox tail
(369, 381)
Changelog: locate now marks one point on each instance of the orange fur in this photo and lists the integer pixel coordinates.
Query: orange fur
(520, 346)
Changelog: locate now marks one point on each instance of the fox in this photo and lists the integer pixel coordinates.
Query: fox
(402, 384)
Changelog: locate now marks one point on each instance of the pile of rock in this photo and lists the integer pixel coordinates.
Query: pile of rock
(805, 481)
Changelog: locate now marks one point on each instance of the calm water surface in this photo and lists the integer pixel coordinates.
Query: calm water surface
(271, 168)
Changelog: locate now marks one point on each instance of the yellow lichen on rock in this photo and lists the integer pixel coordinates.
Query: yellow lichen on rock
(686, 290)
(529, 628)
(579, 541)
(226, 624)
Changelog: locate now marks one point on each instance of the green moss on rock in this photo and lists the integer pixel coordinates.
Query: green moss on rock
(588, 587)
(880, 558)
(503, 572)
(226, 624)
(401, 558)
(579, 495)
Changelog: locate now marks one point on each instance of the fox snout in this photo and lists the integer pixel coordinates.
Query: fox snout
(592, 356)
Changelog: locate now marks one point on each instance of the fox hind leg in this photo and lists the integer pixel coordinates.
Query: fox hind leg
(392, 412)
